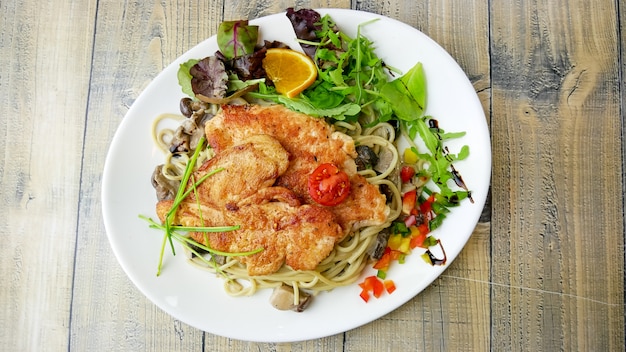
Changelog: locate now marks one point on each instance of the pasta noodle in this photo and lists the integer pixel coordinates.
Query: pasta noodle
(174, 164)
(348, 259)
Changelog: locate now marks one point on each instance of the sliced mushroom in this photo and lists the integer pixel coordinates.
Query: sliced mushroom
(166, 189)
(185, 107)
(195, 138)
(282, 298)
(377, 248)
(219, 259)
(189, 107)
(180, 141)
(186, 136)
(204, 116)
(385, 158)
(188, 126)
(366, 158)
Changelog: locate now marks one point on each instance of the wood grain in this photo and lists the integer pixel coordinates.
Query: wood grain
(44, 77)
(543, 271)
(133, 43)
(558, 250)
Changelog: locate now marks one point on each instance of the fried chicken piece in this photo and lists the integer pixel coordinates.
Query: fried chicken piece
(248, 167)
(307, 139)
(310, 142)
(270, 217)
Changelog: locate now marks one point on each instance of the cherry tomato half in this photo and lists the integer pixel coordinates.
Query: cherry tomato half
(328, 185)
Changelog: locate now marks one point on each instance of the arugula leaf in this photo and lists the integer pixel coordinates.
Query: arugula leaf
(340, 112)
(402, 103)
(451, 135)
(463, 153)
(237, 38)
(415, 82)
(323, 97)
(304, 105)
(407, 94)
(350, 73)
(430, 139)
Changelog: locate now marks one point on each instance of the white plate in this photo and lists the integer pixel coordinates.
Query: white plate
(196, 297)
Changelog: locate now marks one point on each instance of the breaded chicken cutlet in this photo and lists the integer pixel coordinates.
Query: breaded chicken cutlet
(268, 154)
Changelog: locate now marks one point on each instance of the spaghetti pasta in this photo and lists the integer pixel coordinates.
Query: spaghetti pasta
(345, 263)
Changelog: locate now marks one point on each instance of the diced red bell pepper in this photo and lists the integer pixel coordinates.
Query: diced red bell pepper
(368, 283)
(395, 255)
(426, 208)
(390, 286)
(373, 284)
(408, 201)
(418, 240)
(419, 235)
(384, 261)
(406, 173)
(378, 287)
(365, 295)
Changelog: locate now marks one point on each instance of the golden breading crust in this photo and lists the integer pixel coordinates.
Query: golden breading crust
(270, 217)
(310, 142)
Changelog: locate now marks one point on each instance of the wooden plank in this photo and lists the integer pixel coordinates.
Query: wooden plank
(134, 41)
(621, 28)
(558, 265)
(44, 75)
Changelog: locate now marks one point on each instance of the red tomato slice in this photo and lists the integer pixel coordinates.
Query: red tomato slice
(328, 185)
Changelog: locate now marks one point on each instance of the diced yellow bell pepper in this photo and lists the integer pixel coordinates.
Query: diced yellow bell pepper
(405, 245)
(394, 241)
(409, 156)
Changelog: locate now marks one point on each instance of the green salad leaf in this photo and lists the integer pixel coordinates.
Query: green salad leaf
(304, 105)
(407, 94)
(237, 38)
(184, 77)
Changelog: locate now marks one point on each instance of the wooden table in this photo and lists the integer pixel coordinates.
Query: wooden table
(544, 269)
